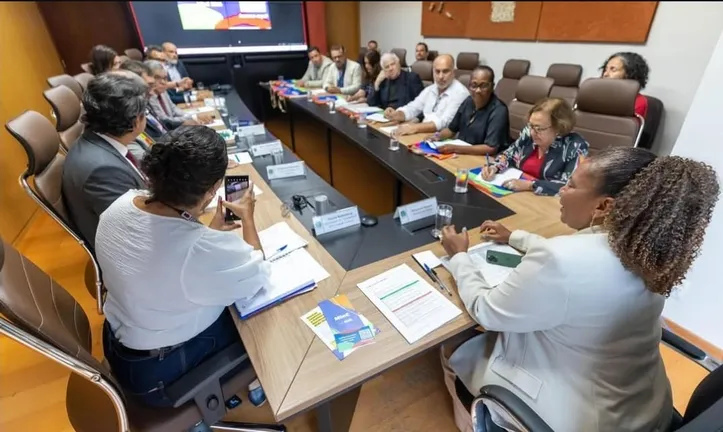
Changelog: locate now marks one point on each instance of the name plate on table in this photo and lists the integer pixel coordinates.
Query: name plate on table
(257, 129)
(416, 211)
(340, 219)
(266, 148)
(293, 169)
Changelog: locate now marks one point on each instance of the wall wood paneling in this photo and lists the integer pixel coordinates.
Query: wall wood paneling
(617, 22)
(78, 26)
(596, 21)
(315, 15)
(27, 58)
(342, 26)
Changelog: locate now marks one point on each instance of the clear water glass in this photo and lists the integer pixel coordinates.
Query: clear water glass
(278, 156)
(332, 107)
(393, 144)
(200, 86)
(461, 179)
(221, 105)
(362, 121)
(442, 219)
(233, 123)
(187, 98)
(281, 77)
(309, 96)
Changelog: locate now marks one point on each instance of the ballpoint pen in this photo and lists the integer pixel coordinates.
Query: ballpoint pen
(279, 250)
(433, 275)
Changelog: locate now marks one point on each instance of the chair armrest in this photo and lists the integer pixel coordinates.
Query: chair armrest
(203, 383)
(708, 420)
(515, 407)
(689, 350)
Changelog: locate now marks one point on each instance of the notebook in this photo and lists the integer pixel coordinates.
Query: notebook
(279, 240)
(291, 275)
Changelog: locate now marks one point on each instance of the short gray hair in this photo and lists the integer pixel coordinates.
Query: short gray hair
(388, 57)
(154, 65)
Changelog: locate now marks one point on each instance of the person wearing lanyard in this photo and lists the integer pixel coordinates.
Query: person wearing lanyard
(438, 103)
(346, 78)
(166, 308)
(547, 149)
(482, 119)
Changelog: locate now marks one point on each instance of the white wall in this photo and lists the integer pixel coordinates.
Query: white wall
(680, 42)
(697, 306)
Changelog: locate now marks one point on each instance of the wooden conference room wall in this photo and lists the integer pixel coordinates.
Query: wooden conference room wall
(27, 58)
(679, 44)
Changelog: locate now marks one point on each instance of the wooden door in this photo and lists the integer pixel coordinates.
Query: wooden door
(77, 26)
(342, 26)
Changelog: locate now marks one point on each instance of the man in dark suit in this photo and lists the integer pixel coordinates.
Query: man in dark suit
(99, 168)
(394, 87)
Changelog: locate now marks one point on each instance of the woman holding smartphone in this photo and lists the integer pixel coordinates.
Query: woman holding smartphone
(169, 277)
(574, 330)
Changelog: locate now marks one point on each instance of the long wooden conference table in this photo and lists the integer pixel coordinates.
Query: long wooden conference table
(353, 166)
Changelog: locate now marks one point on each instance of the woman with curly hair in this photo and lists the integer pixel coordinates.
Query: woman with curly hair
(629, 65)
(166, 309)
(578, 322)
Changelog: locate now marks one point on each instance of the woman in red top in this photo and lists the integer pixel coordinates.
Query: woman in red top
(629, 65)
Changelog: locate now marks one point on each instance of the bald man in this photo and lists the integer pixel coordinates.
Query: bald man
(178, 79)
(438, 103)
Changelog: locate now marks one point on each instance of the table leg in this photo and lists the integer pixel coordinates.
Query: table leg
(336, 414)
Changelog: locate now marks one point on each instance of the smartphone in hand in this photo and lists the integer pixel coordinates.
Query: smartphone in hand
(234, 187)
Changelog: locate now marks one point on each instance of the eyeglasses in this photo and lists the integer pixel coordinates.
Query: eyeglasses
(484, 86)
(538, 129)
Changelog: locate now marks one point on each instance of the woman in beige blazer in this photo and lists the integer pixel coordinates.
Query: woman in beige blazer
(574, 330)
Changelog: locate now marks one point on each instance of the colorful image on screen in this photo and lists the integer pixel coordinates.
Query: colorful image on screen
(224, 15)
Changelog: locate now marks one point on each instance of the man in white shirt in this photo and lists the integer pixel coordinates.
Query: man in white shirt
(98, 168)
(438, 103)
(319, 66)
(346, 77)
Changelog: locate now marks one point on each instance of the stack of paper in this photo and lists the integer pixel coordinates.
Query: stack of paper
(241, 158)
(339, 326)
(459, 142)
(493, 274)
(292, 274)
(494, 186)
(377, 117)
(411, 304)
(279, 240)
(388, 129)
(216, 123)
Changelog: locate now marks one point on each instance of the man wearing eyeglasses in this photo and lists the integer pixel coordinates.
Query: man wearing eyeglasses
(482, 119)
(438, 103)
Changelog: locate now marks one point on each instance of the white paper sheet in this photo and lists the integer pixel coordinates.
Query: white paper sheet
(216, 123)
(427, 257)
(288, 274)
(388, 129)
(199, 110)
(508, 174)
(277, 236)
(378, 117)
(459, 142)
(241, 158)
(493, 274)
(412, 305)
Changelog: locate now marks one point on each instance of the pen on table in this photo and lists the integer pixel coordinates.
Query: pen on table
(281, 249)
(488, 159)
(433, 275)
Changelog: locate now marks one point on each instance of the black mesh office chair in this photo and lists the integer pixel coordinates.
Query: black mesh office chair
(703, 414)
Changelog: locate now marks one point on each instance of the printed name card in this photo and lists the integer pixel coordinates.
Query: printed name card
(266, 148)
(293, 169)
(257, 129)
(416, 210)
(340, 219)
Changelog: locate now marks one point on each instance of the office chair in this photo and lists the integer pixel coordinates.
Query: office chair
(41, 143)
(83, 79)
(86, 68)
(66, 108)
(704, 411)
(134, 54)
(68, 81)
(44, 317)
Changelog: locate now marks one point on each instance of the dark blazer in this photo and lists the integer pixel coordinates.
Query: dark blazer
(94, 175)
(177, 97)
(409, 81)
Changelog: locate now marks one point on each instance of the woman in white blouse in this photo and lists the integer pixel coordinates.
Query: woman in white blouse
(574, 330)
(170, 278)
